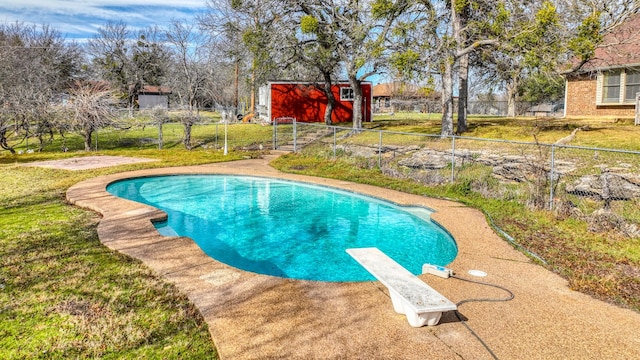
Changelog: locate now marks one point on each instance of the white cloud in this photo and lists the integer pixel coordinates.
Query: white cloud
(80, 19)
(80, 4)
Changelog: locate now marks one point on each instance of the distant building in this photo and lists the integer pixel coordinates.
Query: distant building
(306, 102)
(399, 96)
(153, 96)
(608, 84)
(544, 110)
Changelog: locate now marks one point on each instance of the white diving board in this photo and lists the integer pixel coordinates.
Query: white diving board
(409, 295)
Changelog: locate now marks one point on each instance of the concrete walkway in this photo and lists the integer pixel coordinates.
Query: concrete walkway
(254, 316)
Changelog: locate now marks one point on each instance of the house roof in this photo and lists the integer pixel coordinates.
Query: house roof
(155, 90)
(619, 48)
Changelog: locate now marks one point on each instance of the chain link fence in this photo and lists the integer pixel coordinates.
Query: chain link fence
(475, 107)
(159, 129)
(599, 186)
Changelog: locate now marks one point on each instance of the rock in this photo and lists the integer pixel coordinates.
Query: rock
(612, 184)
(607, 186)
(358, 151)
(511, 171)
(427, 159)
(564, 167)
(603, 220)
(588, 185)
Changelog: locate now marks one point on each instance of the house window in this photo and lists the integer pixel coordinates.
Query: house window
(346, 94)
(619, 87)
(611, 87)
(632, 86)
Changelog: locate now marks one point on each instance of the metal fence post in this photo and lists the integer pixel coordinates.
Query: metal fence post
(552, 174)
(637, 119)
(275, 134)
(453, 158)
(295, 134)
(226, 128)
(380, 151)
(334, 142)
(216, 142)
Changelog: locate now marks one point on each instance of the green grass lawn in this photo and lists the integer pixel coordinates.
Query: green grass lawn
(601, 133)
(64, 295)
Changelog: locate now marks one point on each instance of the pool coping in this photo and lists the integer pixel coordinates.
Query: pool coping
(252, 316)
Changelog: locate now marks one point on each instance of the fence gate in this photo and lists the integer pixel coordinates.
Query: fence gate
(284, 137)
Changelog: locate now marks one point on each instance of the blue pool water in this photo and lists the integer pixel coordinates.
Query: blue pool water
(289, 229)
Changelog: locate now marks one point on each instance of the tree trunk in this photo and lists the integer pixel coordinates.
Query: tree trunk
(41, 141)
(463, 92)
(160, 135)
(133, 95)
(87, 140)
(512, 96)
(447, 98)
(357, 101)
(331, 100)
(187, 136)
(252, 106)
(459, 19)
(4, 143)
(236, 86)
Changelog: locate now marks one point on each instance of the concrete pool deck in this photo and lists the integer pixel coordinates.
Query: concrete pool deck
(253, 316)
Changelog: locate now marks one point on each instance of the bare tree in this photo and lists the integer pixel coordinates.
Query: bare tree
(188, 119)
(189, 73)
(110, 53)
(610, 13)
(151, 57)
(218, 71)
(224, 25)
(36, 65)
(188, 58)
(128, 61)
(587, 21)
(160, 116)
(90, 108)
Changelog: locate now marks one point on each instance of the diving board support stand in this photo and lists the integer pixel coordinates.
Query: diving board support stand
(409, 295)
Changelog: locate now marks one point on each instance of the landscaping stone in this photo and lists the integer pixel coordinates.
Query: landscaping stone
(607, 186)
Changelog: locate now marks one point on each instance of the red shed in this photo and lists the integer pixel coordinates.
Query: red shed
(307, 102)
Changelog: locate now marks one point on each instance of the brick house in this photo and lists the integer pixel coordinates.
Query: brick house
(607, 84)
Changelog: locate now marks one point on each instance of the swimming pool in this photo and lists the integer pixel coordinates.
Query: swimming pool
(289, 229)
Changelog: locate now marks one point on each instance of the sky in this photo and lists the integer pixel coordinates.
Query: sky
(80, 19)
